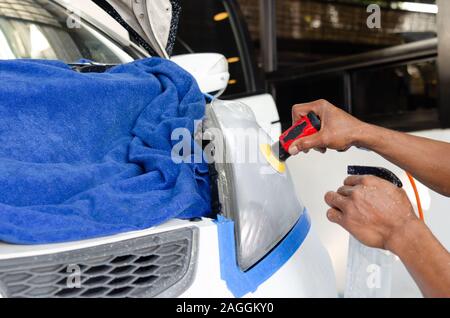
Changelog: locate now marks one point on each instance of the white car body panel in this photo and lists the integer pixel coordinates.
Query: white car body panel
(308, 273)
(8, 251)
(209, 69)
(266, 113)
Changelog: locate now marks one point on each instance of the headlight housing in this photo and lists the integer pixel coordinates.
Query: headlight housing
(261, 201)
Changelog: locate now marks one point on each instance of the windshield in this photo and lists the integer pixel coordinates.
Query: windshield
(44, 30)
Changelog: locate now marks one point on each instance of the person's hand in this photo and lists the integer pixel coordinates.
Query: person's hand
(339, 129)
(373, 210)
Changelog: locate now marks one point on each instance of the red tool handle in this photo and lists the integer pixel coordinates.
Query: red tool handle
(306, 126)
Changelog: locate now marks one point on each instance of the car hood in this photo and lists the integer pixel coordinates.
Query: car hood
(151, 23)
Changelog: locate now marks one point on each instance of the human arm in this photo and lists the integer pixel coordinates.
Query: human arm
(380, 215)
(427, 160)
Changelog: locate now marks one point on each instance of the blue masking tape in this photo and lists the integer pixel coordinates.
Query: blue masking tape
(240, 282)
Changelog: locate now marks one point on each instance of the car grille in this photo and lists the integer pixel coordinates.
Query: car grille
(155, 265)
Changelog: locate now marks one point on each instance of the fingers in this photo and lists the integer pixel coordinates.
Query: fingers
(294, 150)
(321, 150)
(307, 143)
(354, 180)
(346, 191)
(337, 201)
(335, 216)
(300, 110)
(365, 180)
(315, 141)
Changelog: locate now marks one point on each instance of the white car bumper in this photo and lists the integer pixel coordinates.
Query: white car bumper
(119, 266)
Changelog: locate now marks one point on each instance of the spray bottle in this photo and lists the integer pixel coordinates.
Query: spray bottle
(369, 270)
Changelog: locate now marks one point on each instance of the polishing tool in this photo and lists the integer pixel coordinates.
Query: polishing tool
(278, 153)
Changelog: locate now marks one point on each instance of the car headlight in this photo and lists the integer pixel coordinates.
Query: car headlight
(261, 201)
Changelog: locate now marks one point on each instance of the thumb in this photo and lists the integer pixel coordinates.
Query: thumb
(307, 143)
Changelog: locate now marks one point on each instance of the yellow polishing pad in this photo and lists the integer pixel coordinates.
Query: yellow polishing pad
(273, 160)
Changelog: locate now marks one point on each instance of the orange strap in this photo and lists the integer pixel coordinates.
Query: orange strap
(416, 193)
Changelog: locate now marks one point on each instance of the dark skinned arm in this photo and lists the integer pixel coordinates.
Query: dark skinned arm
(380, 215)
(426, 159)
(375, 211)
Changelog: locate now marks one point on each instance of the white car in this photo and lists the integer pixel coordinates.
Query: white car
(248, 249)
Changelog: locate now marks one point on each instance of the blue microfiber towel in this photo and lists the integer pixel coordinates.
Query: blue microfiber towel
(89, 155)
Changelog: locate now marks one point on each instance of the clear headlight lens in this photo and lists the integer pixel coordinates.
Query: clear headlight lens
(261, 201)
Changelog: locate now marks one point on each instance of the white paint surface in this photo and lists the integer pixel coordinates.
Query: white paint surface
(266, 113)
(308, 273)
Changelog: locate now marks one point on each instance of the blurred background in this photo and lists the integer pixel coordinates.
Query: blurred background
(301, 50)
